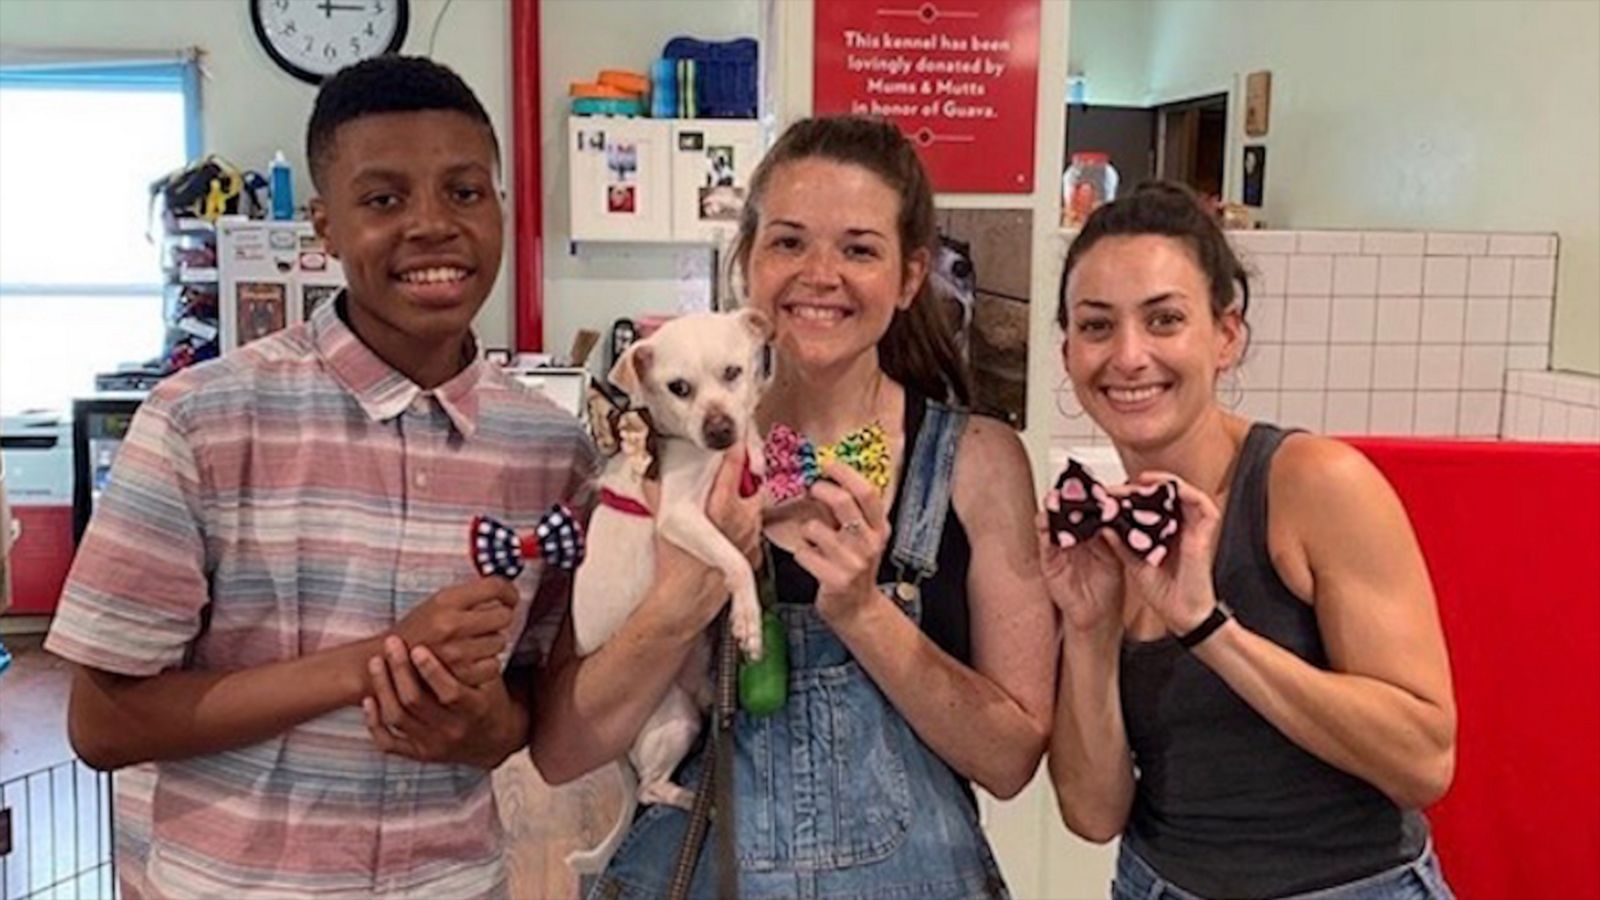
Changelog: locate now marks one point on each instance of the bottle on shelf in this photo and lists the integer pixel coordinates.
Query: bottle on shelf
(281, 186)
(1089, 182)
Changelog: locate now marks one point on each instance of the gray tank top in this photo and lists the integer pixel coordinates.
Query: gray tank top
(1226, 805)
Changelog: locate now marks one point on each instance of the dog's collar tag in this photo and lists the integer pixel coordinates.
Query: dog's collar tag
(907, 591)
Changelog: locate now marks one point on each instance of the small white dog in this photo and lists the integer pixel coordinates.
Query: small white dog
(700, 377)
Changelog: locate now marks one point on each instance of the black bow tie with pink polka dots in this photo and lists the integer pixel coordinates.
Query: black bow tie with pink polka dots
(1147, 521)
(498, 550)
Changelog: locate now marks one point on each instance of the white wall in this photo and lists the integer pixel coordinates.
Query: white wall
(250, 108)
(1109, 46)
(1473, 116)
(600, 282)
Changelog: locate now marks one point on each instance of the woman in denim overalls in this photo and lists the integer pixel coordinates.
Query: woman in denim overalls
(859, 786)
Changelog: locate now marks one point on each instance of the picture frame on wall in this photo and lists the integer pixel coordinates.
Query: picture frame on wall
(1257, 103)
(1255, 174)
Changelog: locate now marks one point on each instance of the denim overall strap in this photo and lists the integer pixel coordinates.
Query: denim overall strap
(925, 499)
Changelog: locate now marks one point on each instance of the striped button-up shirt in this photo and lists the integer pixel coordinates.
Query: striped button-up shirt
(294, 496)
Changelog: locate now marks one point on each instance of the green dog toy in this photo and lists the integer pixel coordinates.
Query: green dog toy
(764, 683)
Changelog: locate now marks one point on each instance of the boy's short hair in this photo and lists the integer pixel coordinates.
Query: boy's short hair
(386, 84)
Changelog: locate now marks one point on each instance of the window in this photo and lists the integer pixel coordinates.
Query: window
(81, 287)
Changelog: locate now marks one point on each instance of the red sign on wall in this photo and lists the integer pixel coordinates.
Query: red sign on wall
(960, 78)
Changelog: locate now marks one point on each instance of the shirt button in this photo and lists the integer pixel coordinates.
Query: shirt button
(402, 787)
(421, 480)
(419, 406)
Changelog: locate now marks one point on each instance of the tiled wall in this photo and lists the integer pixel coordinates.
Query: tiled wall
(1552, 406)
(1377, 332)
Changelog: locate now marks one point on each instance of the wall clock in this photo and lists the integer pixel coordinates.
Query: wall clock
(312, 39)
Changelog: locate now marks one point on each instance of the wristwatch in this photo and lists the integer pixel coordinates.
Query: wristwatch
(1220, 614)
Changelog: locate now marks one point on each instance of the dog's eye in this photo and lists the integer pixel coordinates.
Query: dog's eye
(732, 373)
(680, 388)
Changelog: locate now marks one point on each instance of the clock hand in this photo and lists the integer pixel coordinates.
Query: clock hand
(328, 6)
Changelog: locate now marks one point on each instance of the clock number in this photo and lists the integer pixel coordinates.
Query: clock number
(377, 7)
(289, 29)
(282, 5)
(355, 46)
(311, 42)
(329, 52)
(369, 31)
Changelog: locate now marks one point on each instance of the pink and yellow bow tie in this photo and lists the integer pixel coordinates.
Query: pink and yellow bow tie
(794, 463)
(499, 550)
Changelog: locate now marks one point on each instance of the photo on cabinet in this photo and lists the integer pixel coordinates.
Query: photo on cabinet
(721, 203)
(622, 160)
(620, 198)
(720, 166)
(313, 294)
(262, 307)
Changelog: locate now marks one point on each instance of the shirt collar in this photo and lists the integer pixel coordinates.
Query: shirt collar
(381, 391)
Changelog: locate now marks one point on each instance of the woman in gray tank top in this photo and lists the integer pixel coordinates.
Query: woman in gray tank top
(1264, 711)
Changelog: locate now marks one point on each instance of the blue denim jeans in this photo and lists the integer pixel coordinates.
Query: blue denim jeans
(835, 796)
(1420, 879)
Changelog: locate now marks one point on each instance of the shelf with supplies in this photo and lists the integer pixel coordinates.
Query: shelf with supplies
(189, 260)
(680, 181)
(187, 225)
(194, 275)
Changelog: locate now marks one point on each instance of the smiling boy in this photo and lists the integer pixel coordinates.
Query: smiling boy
(281, 517)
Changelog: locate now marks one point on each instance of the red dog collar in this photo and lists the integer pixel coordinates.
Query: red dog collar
(622, 504)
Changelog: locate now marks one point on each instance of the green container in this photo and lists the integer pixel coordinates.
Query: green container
(764, 684)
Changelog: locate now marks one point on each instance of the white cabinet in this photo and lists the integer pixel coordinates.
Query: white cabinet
(272, 274)
(659, 180)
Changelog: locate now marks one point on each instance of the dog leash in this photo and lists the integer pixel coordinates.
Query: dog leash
(715, 786)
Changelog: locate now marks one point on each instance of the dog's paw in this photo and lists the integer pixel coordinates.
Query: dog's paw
(667, 793)
(747, 629)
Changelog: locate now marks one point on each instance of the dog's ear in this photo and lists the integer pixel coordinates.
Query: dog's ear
(761, 326)
(757, 322)
(631, 368)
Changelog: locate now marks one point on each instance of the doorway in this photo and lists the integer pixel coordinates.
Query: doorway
(1192, 142)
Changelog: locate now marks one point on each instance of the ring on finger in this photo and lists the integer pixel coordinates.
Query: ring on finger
(853, 526)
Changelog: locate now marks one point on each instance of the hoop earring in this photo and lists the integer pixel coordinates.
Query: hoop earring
(1234, 390)
(1064, 388)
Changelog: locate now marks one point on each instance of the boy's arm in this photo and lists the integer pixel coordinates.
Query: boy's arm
(133, 606)
(117, 720)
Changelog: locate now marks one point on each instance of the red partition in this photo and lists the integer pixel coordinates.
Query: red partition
(1511, 533)
(527, 243)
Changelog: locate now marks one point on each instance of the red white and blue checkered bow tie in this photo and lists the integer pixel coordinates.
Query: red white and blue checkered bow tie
(499, 550)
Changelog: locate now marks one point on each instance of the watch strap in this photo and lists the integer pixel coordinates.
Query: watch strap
(1219, 617)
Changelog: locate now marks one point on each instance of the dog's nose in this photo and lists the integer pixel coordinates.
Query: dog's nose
(718, 431)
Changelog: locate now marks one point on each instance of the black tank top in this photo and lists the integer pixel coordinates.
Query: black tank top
(1225, 804)
(945, 617)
